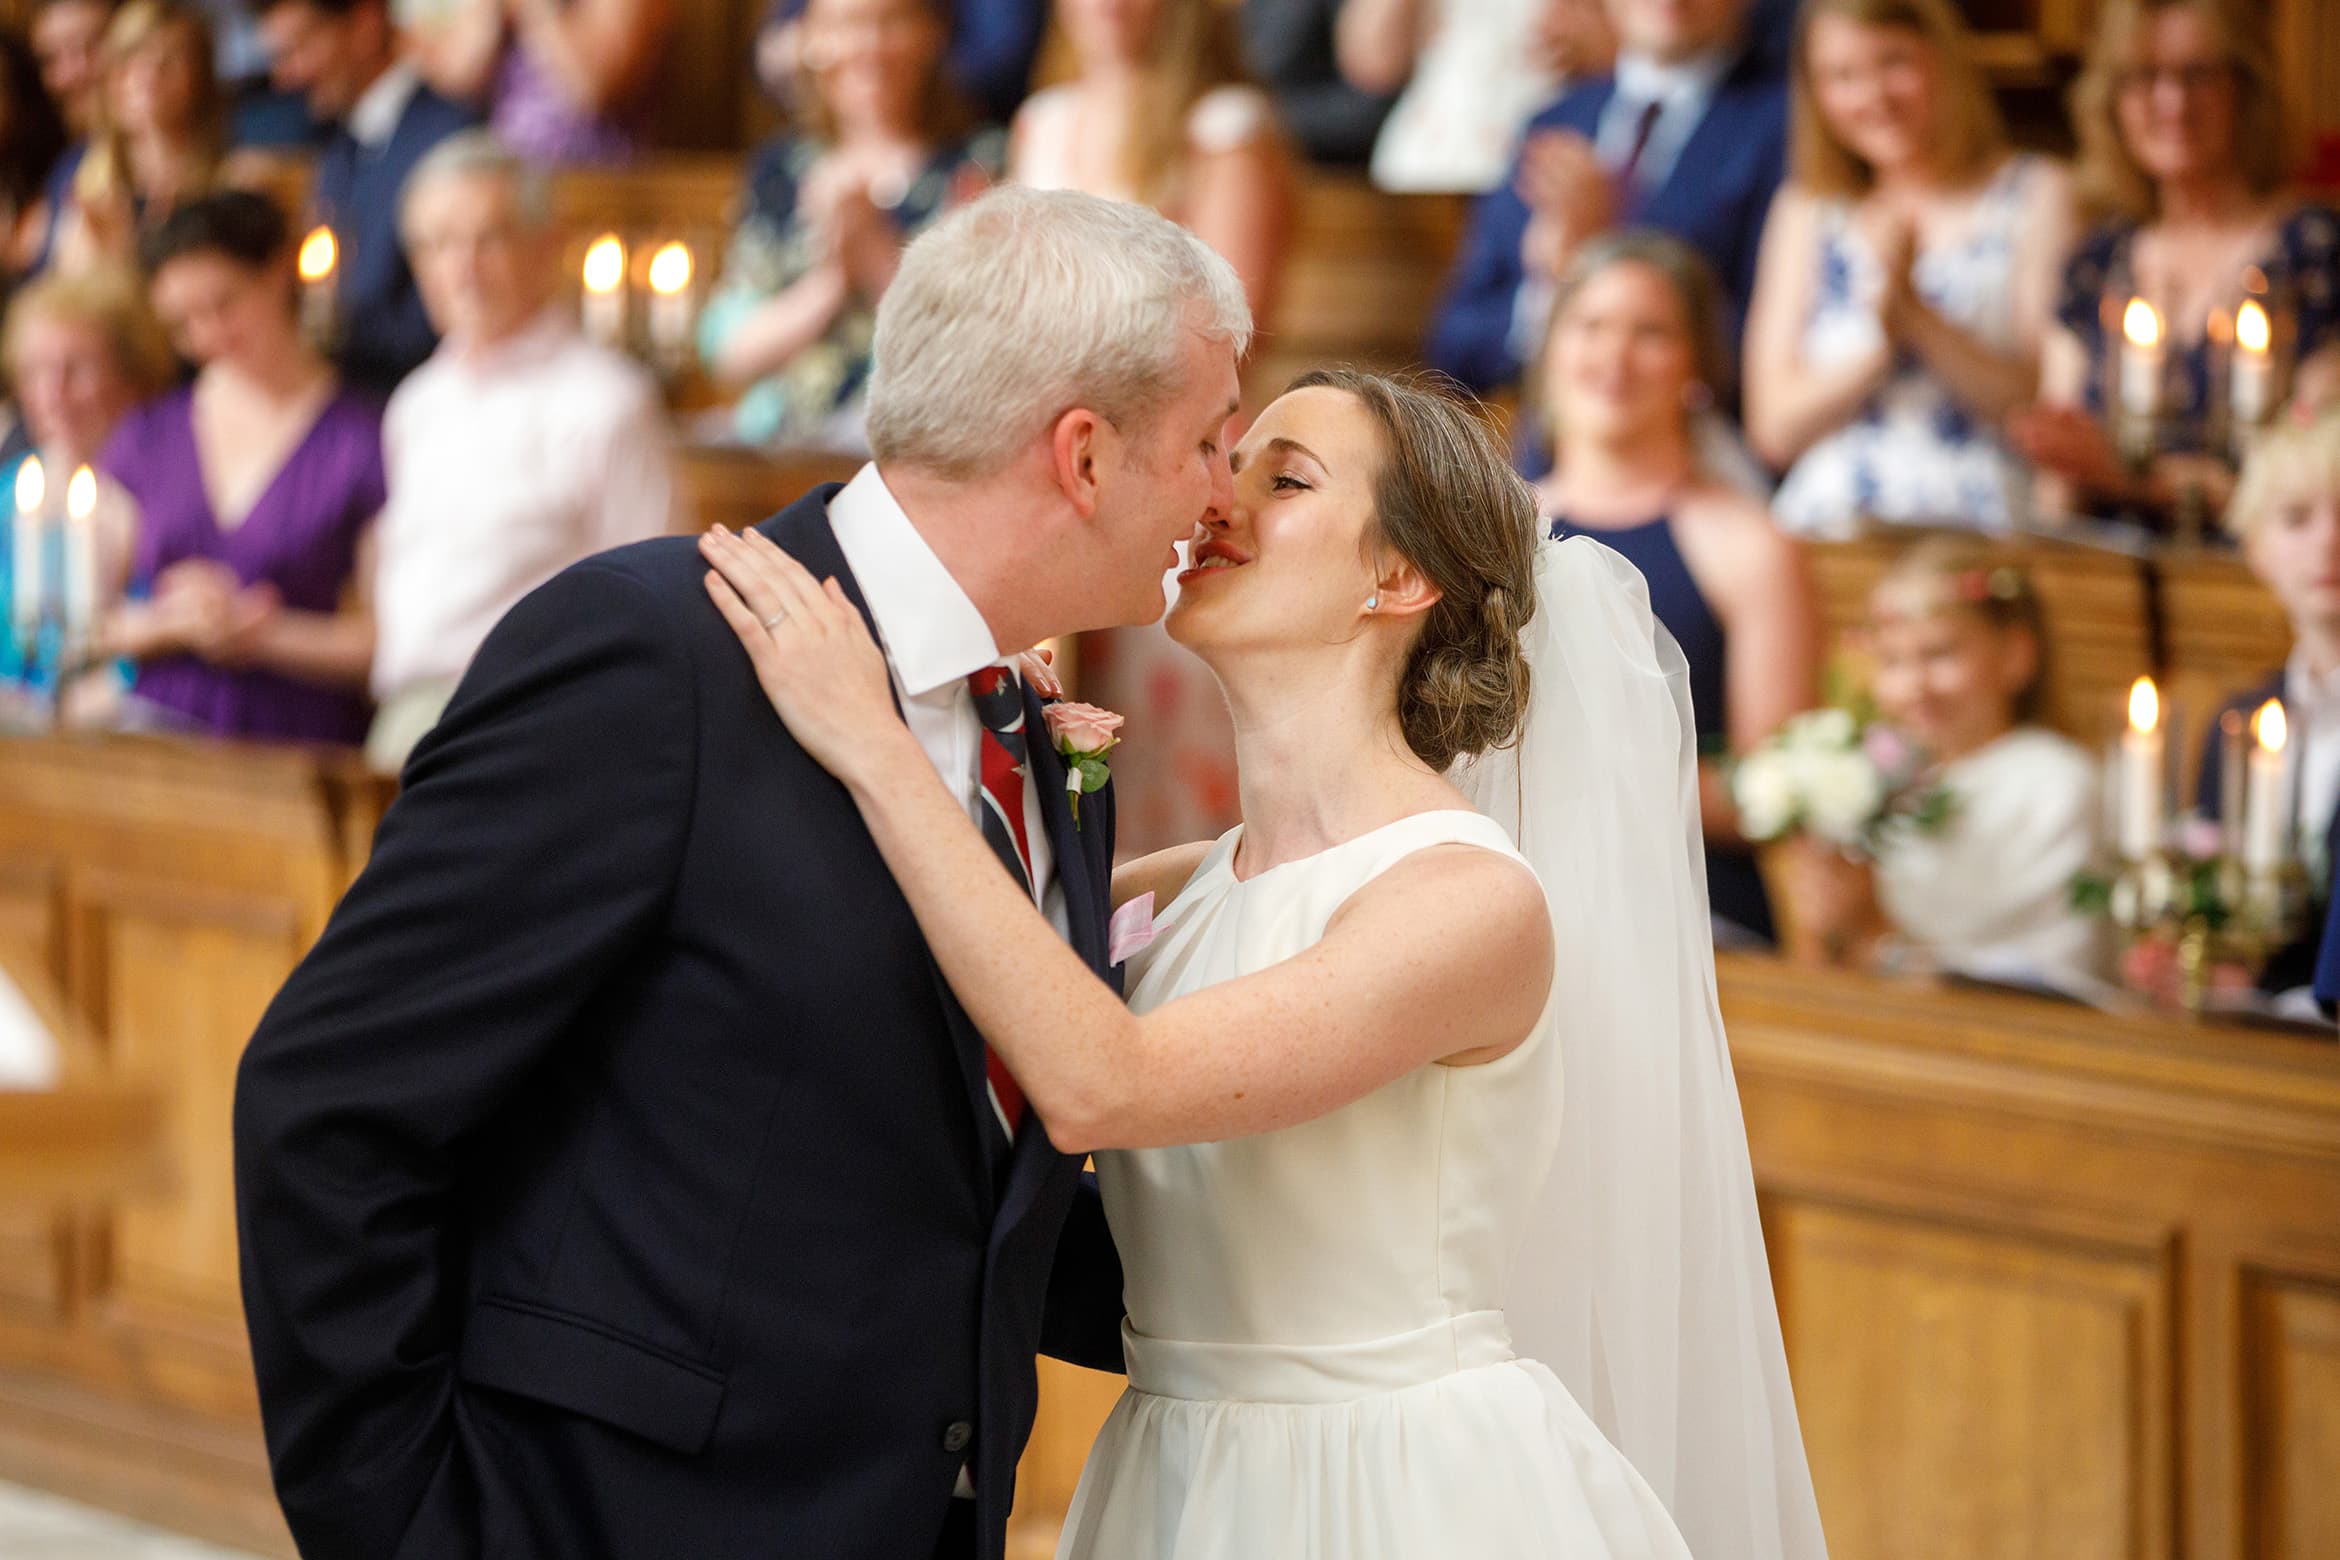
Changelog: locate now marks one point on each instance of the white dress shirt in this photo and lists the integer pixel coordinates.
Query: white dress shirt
(2313, 704)
(1681, 89)
(373, 118)
(505, 465)
(934, 639)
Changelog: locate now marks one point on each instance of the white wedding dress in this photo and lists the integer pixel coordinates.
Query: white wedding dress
(1318, 1366)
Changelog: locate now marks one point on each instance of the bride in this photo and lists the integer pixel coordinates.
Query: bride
(1360, 1233)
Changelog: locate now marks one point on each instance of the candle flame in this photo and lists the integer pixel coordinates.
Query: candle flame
(81, 494)
(2271, 727)
(2141, 323)
(2253, 332)
(2144, 705)
(318, 254)
(605, 264)
(670, 269)
(32, 486)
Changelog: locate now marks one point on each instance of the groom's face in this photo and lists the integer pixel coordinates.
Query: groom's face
(1172, 476)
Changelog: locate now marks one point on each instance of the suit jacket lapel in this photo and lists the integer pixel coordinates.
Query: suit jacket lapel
(802, 530)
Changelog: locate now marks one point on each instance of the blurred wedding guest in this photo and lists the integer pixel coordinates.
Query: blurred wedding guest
(81, 352)
(562, 81)
(1907, 281)
(1159, 113)
(516, 450)
(343, 57)
(32, 141)
(1960, 653)
(1633, 356)
(2286, 514)
(1688, 135)
(1473, 73)
(255, 489)
(1290, 48)
(68, 38)
(881, 150)
(993, 47)
(2183, 146)
(159, 141)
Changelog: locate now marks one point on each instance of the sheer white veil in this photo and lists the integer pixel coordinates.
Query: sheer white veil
(1642, 1281)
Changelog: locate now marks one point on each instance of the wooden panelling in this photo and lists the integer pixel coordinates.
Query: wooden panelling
(1975, 1389)
(2291, 1452)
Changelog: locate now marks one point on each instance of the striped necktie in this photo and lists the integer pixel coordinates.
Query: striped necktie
(999, 705)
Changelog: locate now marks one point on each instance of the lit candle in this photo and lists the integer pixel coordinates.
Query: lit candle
(80, 556)
(603, 306)
(319, 258)
(670, 302)
(2141, 333)
(25, 581)
(2266, 829)
(2230, 780)
(2252, 375)
(2143, 756)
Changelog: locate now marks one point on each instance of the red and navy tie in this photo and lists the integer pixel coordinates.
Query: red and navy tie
(999, 705)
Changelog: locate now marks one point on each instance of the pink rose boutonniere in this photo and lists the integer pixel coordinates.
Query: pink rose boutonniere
(1084, 734)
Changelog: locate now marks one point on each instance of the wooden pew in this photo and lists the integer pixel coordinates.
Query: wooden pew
(167, 889)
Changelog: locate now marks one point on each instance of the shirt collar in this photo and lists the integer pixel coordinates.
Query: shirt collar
(373, 119)
(932, 632)
(1674, 82)
(533, 342)
(2309, 693)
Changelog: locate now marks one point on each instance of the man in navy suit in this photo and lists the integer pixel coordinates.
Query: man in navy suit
(342, 55)
(618, 1178)
(1689, 136)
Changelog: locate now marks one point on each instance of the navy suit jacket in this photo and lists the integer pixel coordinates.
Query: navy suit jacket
(2292, 966)
(385, 335)
(1715, 198)
(611, 1177)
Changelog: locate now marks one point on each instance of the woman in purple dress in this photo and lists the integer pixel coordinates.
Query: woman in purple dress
(256, 488)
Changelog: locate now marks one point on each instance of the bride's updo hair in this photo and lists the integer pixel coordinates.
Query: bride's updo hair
(1447, 501)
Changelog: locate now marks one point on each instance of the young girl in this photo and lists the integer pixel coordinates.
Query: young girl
(1961, 660)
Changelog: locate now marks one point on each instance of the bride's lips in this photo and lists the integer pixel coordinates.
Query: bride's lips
(1228, 559)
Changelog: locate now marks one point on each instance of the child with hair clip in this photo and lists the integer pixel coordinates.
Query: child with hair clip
(1960, 655)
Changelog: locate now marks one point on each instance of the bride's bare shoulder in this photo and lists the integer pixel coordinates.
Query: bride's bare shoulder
(1163, 874)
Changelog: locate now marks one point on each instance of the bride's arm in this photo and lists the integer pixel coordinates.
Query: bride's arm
(1446, 957)
(1163, 874)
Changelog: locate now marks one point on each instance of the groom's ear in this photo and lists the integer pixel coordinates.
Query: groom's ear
(1078, 445)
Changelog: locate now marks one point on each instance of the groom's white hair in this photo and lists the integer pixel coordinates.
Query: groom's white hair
(1025, 304)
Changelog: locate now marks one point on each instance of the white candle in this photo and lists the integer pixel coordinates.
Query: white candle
(603, 307)
(26, 587)
(80, 556)
(2267, 817)
(2252, 376)
(2142, 761)
(2140, 375)
(319, 260)
(670, 303)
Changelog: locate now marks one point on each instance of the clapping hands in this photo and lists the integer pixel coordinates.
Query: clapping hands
(1568, 193)
(201, 609)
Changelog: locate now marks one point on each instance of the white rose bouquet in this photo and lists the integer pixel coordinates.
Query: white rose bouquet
(1828, 775)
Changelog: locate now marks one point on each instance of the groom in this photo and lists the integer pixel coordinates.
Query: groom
(618, 1177)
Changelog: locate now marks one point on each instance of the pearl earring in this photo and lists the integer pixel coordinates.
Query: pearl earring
(1372, 603)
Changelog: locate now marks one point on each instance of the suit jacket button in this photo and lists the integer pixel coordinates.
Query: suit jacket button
(958, 1437)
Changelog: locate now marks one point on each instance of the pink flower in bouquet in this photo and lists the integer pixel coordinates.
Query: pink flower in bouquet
(1894, 755)
(1082, 728)
(2200, 839)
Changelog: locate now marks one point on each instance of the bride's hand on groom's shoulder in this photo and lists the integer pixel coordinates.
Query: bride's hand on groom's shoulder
(813, 655)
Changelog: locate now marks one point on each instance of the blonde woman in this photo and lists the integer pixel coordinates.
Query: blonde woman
(1907, 280)
(1159, 113)
(2183, 153)
(162, 135)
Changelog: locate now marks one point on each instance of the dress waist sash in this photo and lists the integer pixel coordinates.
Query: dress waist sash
(1314, 1373)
